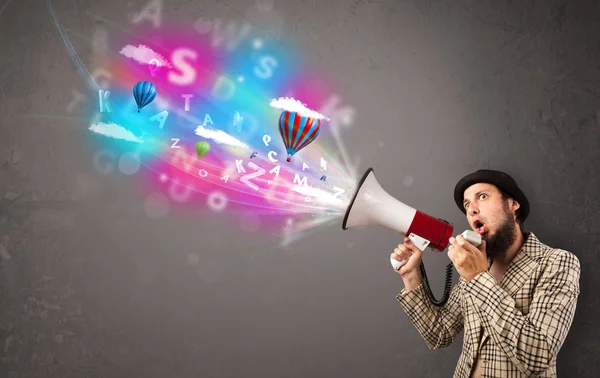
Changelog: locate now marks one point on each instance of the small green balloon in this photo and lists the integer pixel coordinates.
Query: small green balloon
(202, 148)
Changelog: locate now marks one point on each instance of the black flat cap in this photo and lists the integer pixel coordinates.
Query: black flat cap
(501, 180)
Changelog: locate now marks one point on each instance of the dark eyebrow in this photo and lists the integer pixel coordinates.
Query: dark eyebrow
(476, 195)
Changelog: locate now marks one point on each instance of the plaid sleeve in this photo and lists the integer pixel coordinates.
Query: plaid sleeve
(437, 326)
(530, 341)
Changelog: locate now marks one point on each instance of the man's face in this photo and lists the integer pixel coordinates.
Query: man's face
(491, 216)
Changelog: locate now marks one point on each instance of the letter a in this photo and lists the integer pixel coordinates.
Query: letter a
(207, 119)
(160, 117)
(151, 12)
(276, 170)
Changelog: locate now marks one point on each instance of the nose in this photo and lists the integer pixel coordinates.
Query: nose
(472, 210)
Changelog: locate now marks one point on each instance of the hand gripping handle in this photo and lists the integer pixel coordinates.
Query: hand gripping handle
(471, 236)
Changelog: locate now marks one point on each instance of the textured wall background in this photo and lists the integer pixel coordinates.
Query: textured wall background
(91, 287)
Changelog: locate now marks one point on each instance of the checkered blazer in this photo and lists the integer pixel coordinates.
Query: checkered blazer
(516, 326)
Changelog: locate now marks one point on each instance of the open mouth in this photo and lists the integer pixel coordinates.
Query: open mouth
(480, 227)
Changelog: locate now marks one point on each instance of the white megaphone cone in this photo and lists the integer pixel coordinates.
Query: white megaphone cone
(373, 205)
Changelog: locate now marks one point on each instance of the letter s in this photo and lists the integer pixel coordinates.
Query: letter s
(188, 74)
(267, 64)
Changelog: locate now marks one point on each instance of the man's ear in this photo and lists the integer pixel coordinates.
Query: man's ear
(514, 204)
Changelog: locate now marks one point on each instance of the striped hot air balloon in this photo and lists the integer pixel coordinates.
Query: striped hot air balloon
(297, 131)
(144, 93)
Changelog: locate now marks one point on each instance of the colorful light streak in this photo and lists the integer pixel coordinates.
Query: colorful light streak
(228, 97)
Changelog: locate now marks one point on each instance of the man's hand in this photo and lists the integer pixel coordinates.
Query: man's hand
(468, 260)
(409, 272)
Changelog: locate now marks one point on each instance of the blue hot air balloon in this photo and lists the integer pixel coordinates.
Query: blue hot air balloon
(297, 131)
(144, 93)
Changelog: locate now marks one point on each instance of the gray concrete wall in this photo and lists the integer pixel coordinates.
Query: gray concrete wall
(91, 287)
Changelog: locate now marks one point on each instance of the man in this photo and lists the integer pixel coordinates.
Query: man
(516, 296)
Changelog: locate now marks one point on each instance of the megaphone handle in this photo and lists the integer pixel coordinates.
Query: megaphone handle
(471, 236)
(397, 264)
(420, 242)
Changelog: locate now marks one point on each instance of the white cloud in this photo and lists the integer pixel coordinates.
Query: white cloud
(319, 195)
(114, 131)
(292, 105)
(143, 54)
(219, 136)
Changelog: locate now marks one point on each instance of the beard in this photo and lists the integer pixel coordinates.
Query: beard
(503, 238)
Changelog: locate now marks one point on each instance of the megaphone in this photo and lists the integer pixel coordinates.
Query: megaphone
(371, 205)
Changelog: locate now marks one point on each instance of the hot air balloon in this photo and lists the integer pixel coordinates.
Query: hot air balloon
(144, 93)
(202, 148)
(297, 131)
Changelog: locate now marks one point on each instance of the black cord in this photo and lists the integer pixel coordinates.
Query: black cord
(447, 285)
